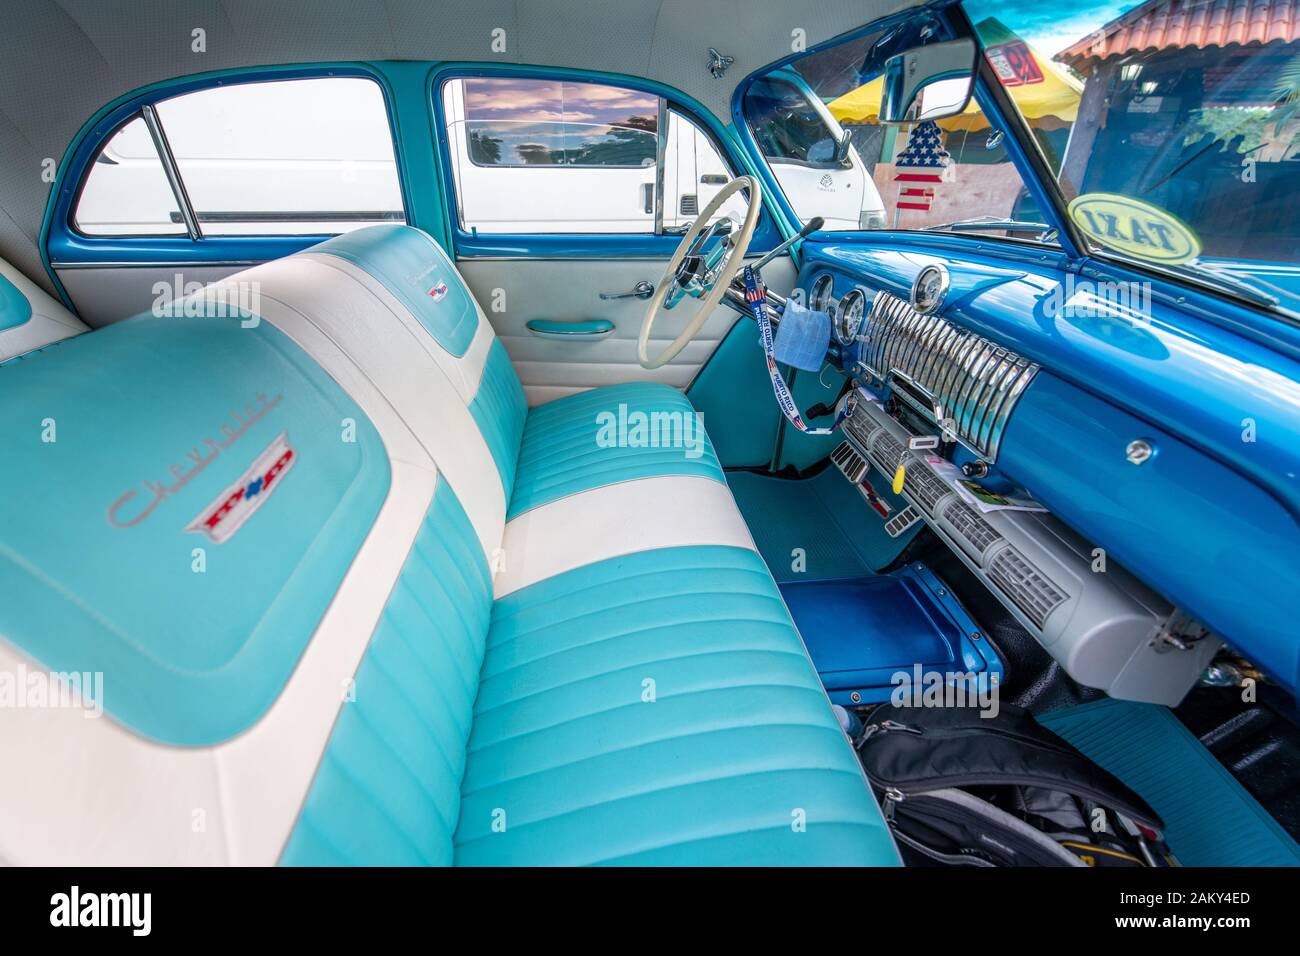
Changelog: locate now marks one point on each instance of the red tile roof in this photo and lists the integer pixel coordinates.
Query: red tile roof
(1171, 24)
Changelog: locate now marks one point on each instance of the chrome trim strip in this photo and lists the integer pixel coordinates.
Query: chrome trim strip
(661, 153)
(168, 160)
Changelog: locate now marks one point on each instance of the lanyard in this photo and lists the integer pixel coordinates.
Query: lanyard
(756, 297)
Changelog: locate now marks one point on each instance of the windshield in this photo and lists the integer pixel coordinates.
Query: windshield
(1179, 148)
(953, 175)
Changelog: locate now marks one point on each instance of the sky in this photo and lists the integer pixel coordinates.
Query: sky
(553, 101)
(1050, 25)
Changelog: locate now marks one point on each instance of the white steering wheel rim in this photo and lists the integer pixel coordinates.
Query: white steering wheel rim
(730, 267)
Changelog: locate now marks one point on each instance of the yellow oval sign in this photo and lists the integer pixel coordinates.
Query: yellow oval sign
(1135, 228)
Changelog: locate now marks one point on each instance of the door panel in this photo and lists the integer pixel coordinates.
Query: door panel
(109, 293)
(513, 292)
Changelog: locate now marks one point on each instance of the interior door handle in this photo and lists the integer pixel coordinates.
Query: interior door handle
(642, 290)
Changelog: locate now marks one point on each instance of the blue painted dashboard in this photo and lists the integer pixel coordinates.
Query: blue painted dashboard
(1211, 520)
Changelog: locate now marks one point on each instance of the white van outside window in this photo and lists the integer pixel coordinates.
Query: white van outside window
(279, 157)
(818, 167)
(555, 156)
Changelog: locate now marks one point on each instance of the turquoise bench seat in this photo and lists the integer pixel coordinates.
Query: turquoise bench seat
(564, 447)
(502, 635)
(658, 708)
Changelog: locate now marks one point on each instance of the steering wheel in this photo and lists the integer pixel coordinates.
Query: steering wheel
(701, 272)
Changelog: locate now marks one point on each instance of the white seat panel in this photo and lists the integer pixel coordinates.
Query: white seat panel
(608, 522)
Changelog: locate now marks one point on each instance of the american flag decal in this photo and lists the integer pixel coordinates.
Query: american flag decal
(922, 165)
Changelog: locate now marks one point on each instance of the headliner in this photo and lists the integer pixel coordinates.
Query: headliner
(61, 60)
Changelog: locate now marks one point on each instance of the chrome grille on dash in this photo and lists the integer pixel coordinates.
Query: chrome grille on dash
(975, 381)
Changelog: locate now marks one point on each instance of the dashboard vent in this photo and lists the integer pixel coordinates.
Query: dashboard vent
(975, 381)
(859, 428)
(924, 486)
(967, 523)
(888, 450)
(1024, 585)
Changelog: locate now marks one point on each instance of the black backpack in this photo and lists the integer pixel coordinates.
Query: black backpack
(959, 789)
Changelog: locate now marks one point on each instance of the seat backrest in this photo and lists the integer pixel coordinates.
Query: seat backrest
(417, 280)
(29, 317)
(239, 520)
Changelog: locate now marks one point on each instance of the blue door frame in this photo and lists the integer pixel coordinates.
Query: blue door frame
(420, 146)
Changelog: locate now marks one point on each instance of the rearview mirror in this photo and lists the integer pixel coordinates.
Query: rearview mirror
(928, 82)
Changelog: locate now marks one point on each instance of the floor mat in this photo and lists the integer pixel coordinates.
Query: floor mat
(839, 534)
(1210, 819)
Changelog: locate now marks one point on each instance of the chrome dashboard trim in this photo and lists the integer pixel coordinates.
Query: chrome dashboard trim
(975, 381)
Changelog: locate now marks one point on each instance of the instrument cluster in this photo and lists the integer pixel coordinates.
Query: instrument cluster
(846, 313)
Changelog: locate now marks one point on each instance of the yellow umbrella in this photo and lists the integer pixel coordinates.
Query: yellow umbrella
(1039, 87)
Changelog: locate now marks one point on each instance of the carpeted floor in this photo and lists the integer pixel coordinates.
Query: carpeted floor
(825, 516)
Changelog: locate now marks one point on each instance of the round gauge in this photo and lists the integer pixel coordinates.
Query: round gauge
(848, 317)
(819, 299)
(930, 287)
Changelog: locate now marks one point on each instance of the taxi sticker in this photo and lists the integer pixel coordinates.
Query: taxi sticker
(1135, 228)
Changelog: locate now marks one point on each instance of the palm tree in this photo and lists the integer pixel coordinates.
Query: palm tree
(1287, 94)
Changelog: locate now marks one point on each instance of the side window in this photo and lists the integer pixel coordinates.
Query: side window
(522, 122)
(694, 173)
(538, 156)
(126, 192)
(290, 157)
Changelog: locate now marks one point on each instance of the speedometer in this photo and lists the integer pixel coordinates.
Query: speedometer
(819, 299)
(848, 317)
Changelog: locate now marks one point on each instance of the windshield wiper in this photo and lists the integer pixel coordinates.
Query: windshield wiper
(991, 222)
(1229, 281)
(1205, 274)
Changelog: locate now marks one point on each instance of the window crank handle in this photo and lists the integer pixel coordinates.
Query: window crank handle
(642, 290)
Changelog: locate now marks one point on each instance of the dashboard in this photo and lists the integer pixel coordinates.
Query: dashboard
(1162, 532)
